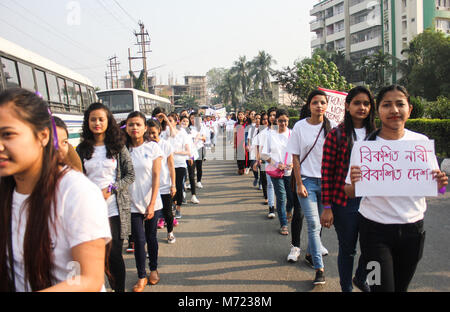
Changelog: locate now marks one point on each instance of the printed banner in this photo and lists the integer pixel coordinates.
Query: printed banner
(400, 168)
(336, 105)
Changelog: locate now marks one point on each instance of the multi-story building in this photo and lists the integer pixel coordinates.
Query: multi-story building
(363, 27)
(351, 26)
(197, 88)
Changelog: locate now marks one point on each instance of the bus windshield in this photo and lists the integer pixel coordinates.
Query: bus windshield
(117, 101)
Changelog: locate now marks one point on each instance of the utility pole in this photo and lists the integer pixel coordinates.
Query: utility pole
(113, 72)
(143, 41)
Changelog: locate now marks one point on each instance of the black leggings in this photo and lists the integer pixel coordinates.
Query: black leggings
(167, 211)
(191, 174)
(115, 260)
(199, 166)
(263, 179)
(297, 221)
(180, 173)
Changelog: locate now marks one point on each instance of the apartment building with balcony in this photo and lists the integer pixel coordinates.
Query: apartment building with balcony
(363, 27)
(351, 26)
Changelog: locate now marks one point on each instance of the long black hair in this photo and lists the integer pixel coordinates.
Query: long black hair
(312, 94)
(114, 137)
(369, 121)
(41, 204)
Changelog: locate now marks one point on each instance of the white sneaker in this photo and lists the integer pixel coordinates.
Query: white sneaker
(324, 251)
(247, 170)
(199, 185)
(294, 254)
(194, 200)
(187, 186)
(171, 238)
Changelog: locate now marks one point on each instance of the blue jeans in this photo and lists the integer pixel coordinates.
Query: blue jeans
(283, 195)
(312, 209)
(346, 224)
(270, 192)
(145, 232)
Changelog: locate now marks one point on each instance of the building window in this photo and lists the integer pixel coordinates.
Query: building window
(338, 9)
(339, 26)
(340, 44)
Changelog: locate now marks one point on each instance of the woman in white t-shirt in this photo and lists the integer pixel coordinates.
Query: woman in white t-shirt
(306, 145)
(275, 152)
(391, 228)
(190, 163)
(229, 126)
(54, 223)
(181, 153)
(146, 203)
(196, 125)
(107, 163)
(167, 188)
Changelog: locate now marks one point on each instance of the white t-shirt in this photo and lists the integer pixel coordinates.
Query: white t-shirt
(360, 134)
(276, 148)
(81, 217)
(165, 182)
(396, 209)
(252, 133)
(301, 141)
(191, 139)
(102, 171)
(230, 125)
(141, 189)
(178, 144)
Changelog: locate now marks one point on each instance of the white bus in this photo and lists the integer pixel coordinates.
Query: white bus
(123, 101)
(67, 92)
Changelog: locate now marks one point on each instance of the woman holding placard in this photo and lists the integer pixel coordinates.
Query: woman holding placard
(391, 228)
(339, 210)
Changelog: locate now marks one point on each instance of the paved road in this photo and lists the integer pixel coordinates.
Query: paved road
(226, 244)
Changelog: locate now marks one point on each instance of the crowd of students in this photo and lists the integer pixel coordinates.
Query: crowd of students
(60, 206)
(307, 170)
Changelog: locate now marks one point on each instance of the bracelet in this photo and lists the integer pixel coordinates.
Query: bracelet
(327, 207)
(111, 187)
(442, 190)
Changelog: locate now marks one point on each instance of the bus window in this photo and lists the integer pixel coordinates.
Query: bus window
(72, 96)
(26, 76)
(41, 84)
(91, 95)
(105, 100)
(62, 90)
(85, 96)
(78, 97)
(10, 71)
(53, 88)
(141, 101)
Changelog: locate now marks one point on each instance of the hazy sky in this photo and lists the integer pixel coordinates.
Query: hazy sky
(188, 37)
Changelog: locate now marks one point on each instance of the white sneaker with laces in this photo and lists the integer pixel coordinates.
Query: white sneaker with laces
(199, 185)
(294, 254)
(194, 200)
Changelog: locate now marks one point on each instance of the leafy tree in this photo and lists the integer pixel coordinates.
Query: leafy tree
(440, 109)
(138, 82)
(241, 69)
(187, 101)
(374, 69)
(308, 75)
(427, 67)
(228, 90)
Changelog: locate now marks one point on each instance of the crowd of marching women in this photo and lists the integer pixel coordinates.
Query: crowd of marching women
(305, 172)
(65, 214)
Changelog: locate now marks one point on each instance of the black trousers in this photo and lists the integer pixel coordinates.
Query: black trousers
(191, 174)
(297, 221)
(167, 211)
(199, 166)
(180, 173)
(396, 248)
(263, 179)
(115, 260)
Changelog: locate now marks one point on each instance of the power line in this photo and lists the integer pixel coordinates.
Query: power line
(128, 14)
(51, 29)
(110, 13)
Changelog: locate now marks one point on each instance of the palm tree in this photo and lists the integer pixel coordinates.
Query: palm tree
(229, 89)
(242, 70)
(261, 70)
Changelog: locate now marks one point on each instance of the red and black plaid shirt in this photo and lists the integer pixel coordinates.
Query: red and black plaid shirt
(335, 162)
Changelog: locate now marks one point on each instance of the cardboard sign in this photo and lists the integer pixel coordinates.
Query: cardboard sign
(336, 105)
(397, 168)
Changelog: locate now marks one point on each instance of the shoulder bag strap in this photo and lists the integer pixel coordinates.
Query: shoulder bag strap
(286, 157)
(310, 150)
